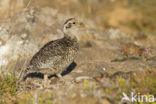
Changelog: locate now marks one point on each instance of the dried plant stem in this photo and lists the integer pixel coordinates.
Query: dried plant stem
(23, 68)
(30, 1)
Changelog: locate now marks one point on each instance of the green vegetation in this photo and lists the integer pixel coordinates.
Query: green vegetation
(88, 87)
(2, 101)
(36, 98)
(144, 83)
(7, 87)
(7, 84)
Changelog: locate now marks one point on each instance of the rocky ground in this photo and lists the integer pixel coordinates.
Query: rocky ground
(109, 62)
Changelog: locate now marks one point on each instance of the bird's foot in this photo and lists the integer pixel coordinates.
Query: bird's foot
(45, 83)
(61, 78)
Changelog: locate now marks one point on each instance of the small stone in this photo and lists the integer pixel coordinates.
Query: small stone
(78, 79)
(23, 36)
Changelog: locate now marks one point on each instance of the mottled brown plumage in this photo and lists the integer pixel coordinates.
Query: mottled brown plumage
(57, 55)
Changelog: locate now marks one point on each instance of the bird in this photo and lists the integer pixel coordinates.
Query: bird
(55, 56)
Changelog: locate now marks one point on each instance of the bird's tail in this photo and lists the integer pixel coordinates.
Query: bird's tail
(23, 73)
(22, 77)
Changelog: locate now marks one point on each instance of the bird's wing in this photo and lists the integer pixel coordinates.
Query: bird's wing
(49, 54)
(51, 62)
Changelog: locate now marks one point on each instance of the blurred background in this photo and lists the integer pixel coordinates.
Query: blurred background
(131, 16)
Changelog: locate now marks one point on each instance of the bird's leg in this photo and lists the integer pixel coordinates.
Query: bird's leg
(45, 80)
(60, 77)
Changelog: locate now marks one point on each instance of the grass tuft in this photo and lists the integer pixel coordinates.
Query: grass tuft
(7, 84)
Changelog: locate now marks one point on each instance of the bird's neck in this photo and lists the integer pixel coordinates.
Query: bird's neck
(70, 37)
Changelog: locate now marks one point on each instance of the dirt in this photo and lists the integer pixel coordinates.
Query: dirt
(100, 57)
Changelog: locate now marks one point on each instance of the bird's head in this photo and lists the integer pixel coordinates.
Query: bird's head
(71, 27)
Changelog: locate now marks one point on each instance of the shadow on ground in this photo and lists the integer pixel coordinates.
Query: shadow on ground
(41, 75)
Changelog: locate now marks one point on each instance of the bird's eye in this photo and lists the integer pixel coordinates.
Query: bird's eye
(73, 22)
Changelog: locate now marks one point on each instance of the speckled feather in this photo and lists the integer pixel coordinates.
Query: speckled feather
(54, 56)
